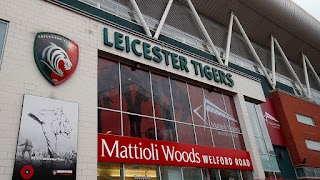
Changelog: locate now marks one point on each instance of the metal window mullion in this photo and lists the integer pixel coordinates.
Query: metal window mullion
(120, 94)
(163, 19)
(204, 31)
(190, 108)
(174, 112)
(290, 67)
(153, 109)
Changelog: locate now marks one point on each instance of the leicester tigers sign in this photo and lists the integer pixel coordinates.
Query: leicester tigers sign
(56, 56)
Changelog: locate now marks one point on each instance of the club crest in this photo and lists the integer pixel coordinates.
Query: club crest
(56, 56)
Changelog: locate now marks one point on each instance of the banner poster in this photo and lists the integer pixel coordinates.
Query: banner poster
(122, 149)
(272, 123)
(47, 142)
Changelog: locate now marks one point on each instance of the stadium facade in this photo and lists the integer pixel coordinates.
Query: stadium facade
(158, 89)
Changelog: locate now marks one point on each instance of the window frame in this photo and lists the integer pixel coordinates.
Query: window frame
(312, 142)
(304, 116)
(4, 40)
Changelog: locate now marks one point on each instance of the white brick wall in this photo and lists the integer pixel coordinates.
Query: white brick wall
(19, 75)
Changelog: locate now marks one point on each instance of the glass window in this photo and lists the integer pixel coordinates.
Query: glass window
(305, 120)
(170, 173)
(138, 171)
(254, 119)
(274, 163)
(238, 141)
(210, 174)
(231, 110)
(162, 97)
(247, 175)
(215, 111)
(313, 145)
(196, 99)
(109, 122)
(203, 136)
(138, 126)
(261, 145)
(222, 139)
(108, 84)
(309, 172)
(3, 33)
(190, 173)
(185, 133)
(269, 146)
(227, 174)
(300, 172)
(270, 175)
(136, 91)
(317, 171)
(181, 101)
(166, 130)
(109, 171)
(265, 160)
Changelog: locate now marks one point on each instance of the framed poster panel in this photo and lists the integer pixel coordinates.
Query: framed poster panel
(47, 142)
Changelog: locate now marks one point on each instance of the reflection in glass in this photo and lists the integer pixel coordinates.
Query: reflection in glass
(266, 164)
(185, 133)
(227, 174)
(247, 175)
(261, 145)
(196, 99)
(166, 130)
(274, 163)
(170, 173)
(222, 139)
(108, 84)
(108, 171)
(162, 97)
(203, 136)
(270, 175)
(181, 101)
(231, 110)
(215, 111)
(254, 119)
(238, 141)
(136, 96)
(190, 173)
(138, 171)
(269, 146)
(137, 126)
(210, 174)
(109, 122)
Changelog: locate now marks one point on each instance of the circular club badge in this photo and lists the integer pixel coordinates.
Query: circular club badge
(27, 172)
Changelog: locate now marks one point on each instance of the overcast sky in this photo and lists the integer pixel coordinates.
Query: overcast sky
(311, 6)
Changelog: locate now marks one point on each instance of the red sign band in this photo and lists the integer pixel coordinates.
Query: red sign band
(119, 149)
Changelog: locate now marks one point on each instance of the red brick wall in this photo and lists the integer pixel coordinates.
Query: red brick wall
(295, 132)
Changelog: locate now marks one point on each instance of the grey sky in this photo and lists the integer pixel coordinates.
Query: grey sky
(311, 6)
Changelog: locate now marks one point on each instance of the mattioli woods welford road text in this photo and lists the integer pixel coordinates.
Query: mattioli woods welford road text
(144, 151)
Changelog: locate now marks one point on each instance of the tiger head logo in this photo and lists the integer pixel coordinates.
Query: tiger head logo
(56, 56)
(52, 55)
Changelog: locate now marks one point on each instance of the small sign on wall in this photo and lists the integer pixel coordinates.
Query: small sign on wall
(47, 142)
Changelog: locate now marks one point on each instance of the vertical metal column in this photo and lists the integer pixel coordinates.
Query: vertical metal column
(273, 62)
(312, 69)
(204, 31)
(143, 22)
(226, 62)
(163, 19)
(253, 51)
(290, 67)
(305, 70)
